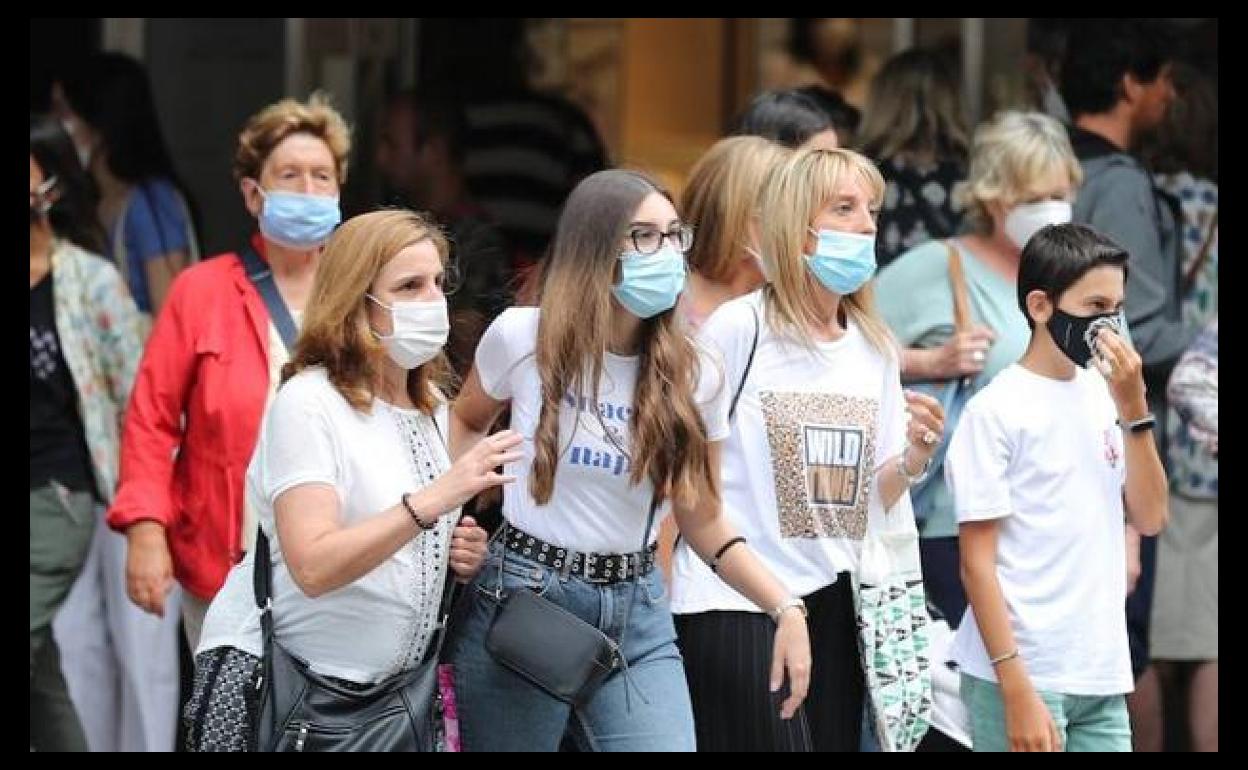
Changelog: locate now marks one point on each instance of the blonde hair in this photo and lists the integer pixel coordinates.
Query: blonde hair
(721, 198)
(271, 125)
(668, 439)
(336, 333)
(1011, 152)
(793, 194)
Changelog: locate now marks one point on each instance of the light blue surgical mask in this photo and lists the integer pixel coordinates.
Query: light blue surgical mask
(650, 283)
(298, 220)
(842, 261)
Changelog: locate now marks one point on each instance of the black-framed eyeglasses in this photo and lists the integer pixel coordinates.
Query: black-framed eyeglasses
(647, 240)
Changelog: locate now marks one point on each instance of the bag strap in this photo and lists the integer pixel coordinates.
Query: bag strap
(262, 278)
(962, 317)
(1189, 280)
(749, 362)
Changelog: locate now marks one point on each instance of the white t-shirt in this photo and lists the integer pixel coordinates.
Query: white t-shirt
(811, 429)
(594, 507)
(381, 623)
(1046, 458)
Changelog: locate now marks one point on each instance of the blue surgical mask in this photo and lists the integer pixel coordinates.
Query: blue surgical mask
(298, 220)
(650, 283)
(842, 262)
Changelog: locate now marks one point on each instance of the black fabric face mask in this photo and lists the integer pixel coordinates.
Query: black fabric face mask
(1075, 335)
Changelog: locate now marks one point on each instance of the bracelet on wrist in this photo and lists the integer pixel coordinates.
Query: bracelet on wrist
(411, 510)
(912, 479)
(1003, 658)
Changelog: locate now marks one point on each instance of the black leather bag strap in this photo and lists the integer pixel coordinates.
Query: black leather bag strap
(749, 363)
(262, 277)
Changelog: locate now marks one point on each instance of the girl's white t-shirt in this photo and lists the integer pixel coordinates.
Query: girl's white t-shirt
(381, 623)
(594, 507)
(811, 429)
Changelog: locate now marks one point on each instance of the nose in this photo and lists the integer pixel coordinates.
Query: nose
(865, 223)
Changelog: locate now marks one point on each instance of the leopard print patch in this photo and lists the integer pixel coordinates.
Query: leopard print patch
(822, 454)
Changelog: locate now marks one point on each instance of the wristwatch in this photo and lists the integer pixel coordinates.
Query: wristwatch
(1141, 425)
(792, 601)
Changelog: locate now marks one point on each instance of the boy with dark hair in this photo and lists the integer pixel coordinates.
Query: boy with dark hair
(1041, 465)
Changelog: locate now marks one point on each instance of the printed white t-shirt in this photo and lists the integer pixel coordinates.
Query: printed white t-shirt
(380, 623)
(594, 507)
(1046, 458)
(798, 468)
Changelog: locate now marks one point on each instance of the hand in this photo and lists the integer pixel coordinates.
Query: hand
(964, 354)
(925, 427)
(1124, 371)
(792, 653)
(474, 471)
(468, 548)
(1028, 724)
(149, 567)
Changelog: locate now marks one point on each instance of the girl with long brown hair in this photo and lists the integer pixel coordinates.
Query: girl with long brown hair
(604, 385)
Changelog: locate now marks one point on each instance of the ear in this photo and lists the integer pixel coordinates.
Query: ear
(252, 199)
(1039, 307)
(1131, 88)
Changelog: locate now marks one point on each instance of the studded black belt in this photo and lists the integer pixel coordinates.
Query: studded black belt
(601, 568)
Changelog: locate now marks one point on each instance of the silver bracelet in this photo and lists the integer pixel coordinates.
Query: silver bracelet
(905, 475)
(1003, 658)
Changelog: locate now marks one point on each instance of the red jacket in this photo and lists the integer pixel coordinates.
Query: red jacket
(207, 360)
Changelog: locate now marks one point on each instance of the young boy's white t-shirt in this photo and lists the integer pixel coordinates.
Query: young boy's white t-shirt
(1046, 458)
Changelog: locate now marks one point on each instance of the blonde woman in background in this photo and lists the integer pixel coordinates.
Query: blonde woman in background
(1023, 175)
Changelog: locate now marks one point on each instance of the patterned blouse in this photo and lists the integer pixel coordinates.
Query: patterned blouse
(102, 336)
(920, 205)
(1193, 469)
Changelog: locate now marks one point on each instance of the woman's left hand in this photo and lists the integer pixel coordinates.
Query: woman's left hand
(925, 425)
(791, 654)
(468, 548)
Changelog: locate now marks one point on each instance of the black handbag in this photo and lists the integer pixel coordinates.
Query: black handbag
(300, 710)
(550, 646)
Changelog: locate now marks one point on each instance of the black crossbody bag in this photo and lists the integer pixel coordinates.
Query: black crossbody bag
(551, 647)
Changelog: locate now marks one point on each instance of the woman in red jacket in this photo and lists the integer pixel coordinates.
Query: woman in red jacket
(212, 365)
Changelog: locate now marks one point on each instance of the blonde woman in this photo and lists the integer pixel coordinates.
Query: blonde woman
(720, 200)
(1023, 176)
(602, 381)
(352, 481)
(819, 442)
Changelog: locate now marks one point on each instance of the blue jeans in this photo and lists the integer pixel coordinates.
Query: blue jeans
(501, 711)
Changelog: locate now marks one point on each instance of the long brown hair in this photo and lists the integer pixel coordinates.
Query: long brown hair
(669, 440)
(914, 107)
(335, 331)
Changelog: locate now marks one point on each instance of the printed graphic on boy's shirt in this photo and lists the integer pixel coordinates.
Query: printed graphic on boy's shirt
(1111, 450)
(822, 450)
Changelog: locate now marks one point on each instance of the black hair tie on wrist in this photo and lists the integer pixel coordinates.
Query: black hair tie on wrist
(715, 561)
